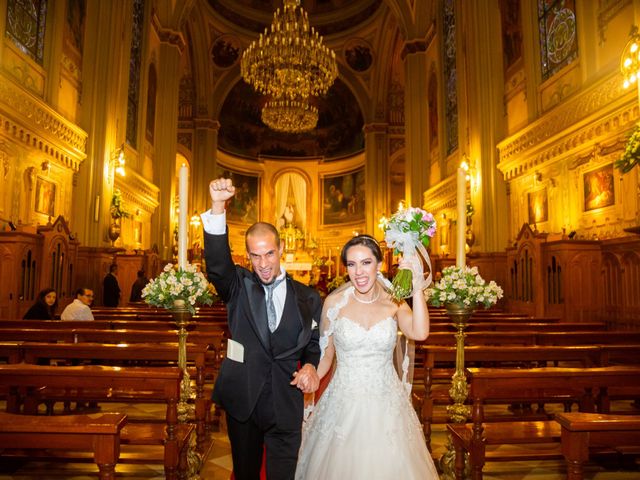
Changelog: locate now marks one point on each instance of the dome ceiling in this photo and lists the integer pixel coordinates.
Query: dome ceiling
(326, 16)
(338, 134)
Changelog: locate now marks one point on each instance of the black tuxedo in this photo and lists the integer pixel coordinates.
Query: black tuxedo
(262, 379)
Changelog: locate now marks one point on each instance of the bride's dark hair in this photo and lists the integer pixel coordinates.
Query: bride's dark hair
(364, 240)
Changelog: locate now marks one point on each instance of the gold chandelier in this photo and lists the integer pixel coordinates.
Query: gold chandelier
(290, 63)
(630, 60)
(291, 116)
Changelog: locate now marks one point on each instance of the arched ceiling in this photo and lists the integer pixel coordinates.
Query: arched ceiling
(339, 132)
(326, 16)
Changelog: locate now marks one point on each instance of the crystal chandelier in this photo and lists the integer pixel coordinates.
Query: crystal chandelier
(290, 63)
(630, 60)
(291, 116)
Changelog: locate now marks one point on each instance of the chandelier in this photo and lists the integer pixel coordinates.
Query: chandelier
(290, 63)
(630, 60)
(291, 116)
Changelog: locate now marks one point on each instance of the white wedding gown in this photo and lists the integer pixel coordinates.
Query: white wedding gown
(364, 426)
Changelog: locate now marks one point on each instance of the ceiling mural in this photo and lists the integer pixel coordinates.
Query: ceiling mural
(339, 132)
(326, 16)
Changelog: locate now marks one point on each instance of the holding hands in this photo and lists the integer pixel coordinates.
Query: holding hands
(306, 379)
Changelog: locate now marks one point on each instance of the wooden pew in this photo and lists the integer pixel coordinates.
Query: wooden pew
(165, 381)
(118, 355)
(583, 430)
(438, 364)
(493, 385)
(36, 335)
(588, 338)
(521, 327)
(79, 432)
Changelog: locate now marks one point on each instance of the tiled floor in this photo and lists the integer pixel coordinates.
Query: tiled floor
(218, 464)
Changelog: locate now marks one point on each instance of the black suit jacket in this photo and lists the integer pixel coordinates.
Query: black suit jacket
(111, 291)
(239, 385)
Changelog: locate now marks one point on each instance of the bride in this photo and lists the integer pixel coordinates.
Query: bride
(364, 426)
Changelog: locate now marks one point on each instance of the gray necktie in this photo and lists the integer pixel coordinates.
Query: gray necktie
(271, 309)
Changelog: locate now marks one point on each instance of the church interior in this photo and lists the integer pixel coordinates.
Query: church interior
(533, 103)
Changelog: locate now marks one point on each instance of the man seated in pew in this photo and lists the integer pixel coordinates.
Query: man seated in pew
(44, 307)
(80, 308)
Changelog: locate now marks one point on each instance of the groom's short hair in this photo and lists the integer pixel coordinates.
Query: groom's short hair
(262, 228)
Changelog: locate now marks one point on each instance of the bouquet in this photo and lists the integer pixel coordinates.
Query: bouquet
(408, 231)
(463, 286)
(174, 284)
(116, 209)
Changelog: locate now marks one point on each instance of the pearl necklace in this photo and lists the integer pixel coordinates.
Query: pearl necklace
(366, 302)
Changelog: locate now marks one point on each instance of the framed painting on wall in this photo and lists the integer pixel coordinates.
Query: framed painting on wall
(45, 197)
(243, 206)
(598, 188)
(538, 206)
(343, 198)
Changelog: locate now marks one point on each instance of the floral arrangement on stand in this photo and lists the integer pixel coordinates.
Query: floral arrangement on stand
(465, 287)
(116, 209)
(189, 285)
(409, 232)
(631, 155)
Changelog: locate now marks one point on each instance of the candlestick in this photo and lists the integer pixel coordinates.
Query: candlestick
(461, 224)
(183, 193)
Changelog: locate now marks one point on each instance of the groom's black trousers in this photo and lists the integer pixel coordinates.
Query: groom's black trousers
(249, 438)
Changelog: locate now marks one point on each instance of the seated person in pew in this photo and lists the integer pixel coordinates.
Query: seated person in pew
(44, 307)
(80, 308)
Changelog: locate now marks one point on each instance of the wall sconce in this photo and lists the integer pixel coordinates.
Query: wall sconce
(195, 220)
(118, 161)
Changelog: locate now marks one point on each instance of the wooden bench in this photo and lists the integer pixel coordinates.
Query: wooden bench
(119, 355)
(438, 362)
(78, 432)
(533, 326)
(583, 430)
(165, 381)
(492, 385)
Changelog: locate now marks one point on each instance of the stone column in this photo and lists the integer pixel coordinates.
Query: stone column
(172, 45)
(483, 108)
(376, 176)
(204, 161)
(103, 114)
(416, 115)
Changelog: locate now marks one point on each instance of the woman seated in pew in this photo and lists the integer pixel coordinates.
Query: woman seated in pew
(44, 307)
(364, 426)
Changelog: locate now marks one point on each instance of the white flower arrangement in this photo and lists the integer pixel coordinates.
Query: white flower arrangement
(174, 284)
(463, 286)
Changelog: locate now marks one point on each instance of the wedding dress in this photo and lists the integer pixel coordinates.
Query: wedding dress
(364, 426)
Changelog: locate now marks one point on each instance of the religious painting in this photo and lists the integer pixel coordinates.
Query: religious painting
(291, 201)
(137, 232)
(243, 206)
(598, 188)
(538, 206)
(45, 197)
(343, 198)
(358, 55)
(510, 14)
(432, 100)
(225, 51)
(74, 27)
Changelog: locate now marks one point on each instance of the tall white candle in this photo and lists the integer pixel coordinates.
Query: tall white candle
(461, 224)
(183, 194)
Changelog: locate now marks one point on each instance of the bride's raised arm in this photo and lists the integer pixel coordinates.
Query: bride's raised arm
(414, 323)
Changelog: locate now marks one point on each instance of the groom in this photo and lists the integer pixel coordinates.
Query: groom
(273, 322)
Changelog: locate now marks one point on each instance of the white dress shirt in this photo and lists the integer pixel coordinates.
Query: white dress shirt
(76, 310)
(215, 224)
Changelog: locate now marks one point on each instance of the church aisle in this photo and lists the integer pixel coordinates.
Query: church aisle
(218, 464)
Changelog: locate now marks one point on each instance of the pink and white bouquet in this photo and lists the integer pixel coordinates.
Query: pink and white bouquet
(409, 232)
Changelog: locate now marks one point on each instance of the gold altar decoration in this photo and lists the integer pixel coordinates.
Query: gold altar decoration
(630, 60)
(289, 63)
(458, 412)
